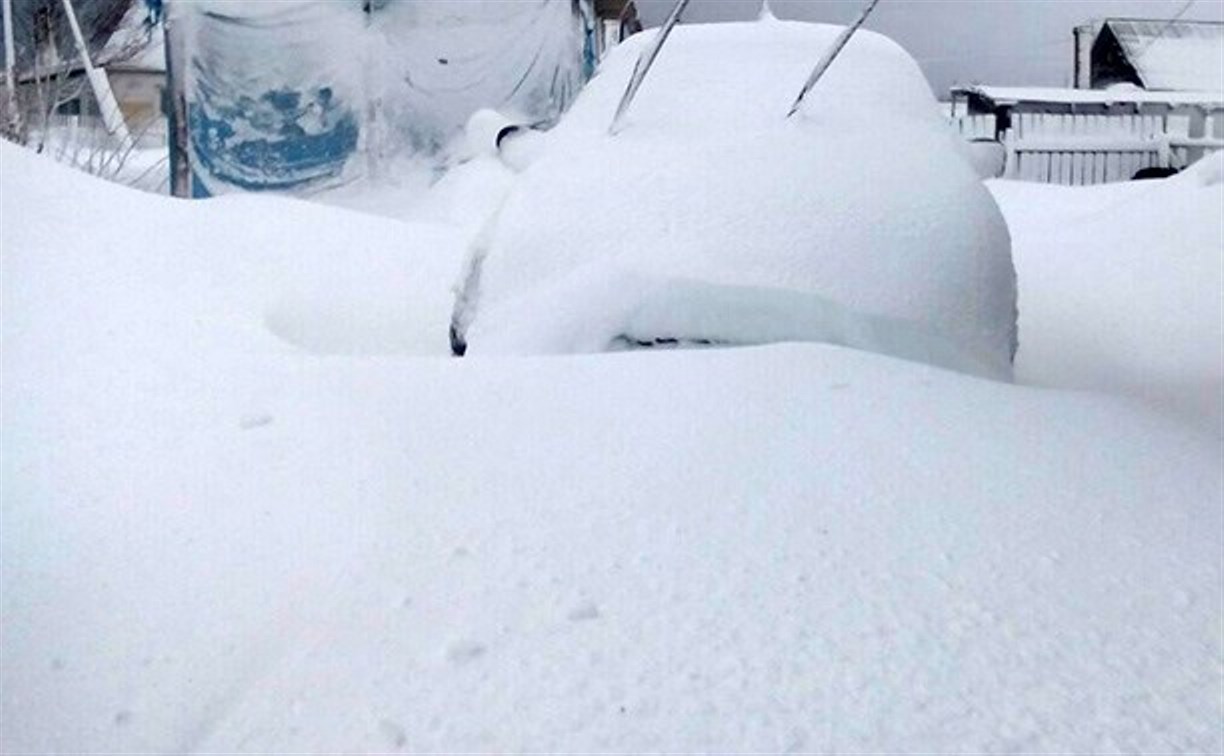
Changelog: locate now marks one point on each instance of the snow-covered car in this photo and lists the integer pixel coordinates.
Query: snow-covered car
(709, 217)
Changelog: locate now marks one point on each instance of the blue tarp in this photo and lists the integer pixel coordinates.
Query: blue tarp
(297, 94)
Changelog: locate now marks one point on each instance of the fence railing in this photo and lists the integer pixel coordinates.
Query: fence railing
(1076, 150)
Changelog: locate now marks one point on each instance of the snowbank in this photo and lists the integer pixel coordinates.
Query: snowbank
(214, 542)
(863, 200)
(245, 273)
(1120, 288)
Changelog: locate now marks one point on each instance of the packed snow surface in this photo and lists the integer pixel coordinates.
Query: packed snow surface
(240, 516)
(861, 200)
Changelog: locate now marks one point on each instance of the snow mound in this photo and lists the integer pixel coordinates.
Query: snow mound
(1207, 172)
(1121, 286)
(317, 279)
(863, 199)
(214, 543)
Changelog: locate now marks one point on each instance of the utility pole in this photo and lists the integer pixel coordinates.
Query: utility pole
(176, 102)
(14, 127)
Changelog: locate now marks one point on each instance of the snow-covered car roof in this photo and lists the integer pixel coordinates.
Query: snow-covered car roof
(862, 204)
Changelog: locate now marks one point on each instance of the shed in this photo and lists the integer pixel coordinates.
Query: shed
(1152, 54)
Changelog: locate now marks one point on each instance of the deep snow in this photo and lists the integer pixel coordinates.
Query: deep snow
(1122, 288)
(232, 274)
(222, 533)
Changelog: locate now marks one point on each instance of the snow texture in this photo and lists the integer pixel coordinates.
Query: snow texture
(862, 200)
(216, 541)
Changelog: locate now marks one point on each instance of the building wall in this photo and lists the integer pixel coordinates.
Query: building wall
(140, 96)
(1085, 36)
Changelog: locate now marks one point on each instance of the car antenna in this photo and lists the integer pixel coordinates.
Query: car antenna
(831, 54)
(644, 62)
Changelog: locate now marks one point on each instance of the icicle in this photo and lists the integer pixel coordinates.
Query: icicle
(767, 13)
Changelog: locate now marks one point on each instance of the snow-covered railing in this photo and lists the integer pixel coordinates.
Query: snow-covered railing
(1095, 149)
(1088, 136)
(976, 127)
(1082, 149)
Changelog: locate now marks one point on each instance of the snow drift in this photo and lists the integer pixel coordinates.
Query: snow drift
(862, 201)
(1121, 286)
(214, 542)
(219, 273)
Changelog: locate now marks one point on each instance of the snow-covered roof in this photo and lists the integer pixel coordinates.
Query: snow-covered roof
(135, 44)
(121, 34)
(1179, 55)
(150, 57)
(1013, 95)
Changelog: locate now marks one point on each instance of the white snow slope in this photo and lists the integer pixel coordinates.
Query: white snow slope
(1122, 288)
(215, 542)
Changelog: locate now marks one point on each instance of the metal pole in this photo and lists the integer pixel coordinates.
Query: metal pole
(831, 55)
(14, 126)
(645, 61)
(112, 117)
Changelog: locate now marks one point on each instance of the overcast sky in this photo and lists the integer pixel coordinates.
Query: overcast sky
(962, 41)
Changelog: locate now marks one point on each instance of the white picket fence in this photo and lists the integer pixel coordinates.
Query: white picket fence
(975, 127)
(1079, 150)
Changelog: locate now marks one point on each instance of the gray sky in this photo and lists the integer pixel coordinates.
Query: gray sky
(961, 41)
